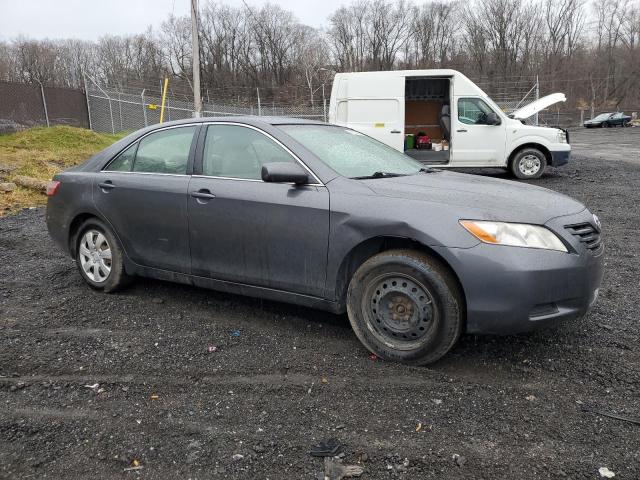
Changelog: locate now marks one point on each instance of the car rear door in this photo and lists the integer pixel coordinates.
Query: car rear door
(247, 231)
(143, 194)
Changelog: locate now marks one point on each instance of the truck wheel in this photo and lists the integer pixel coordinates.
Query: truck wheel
(528, 163)
(99, 257)
(405, 306)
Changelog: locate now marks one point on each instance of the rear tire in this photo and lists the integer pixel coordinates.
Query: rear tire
(99, 257)
(405, 306)
(528, 164)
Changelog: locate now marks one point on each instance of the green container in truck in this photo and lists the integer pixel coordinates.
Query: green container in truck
(409, 142)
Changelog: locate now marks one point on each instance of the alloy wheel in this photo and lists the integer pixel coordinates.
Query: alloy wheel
(95, 256)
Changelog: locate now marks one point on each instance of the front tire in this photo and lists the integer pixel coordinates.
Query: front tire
(99, 257)
(405, 306)
(528, 164)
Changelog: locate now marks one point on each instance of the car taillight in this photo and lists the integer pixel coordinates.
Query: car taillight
(52, 187)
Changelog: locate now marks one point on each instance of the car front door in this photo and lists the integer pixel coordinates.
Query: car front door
(617, 118)
(143, 194)
(247, 231)
(473, 141)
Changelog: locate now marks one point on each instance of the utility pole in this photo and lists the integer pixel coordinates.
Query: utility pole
(259, 106)
(197, 101)
(324, 105)
(44, 102)
(537, 96)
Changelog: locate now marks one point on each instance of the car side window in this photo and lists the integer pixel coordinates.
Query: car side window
(473, 111)
(124, 161)
(166, 151)
(234, 151)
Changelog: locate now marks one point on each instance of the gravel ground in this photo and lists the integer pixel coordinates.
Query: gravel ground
(282, 377)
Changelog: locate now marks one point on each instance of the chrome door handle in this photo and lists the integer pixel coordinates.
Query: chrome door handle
(462, 130)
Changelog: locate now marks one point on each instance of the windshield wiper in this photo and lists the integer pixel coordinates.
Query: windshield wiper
(429, 170)
(380, 175)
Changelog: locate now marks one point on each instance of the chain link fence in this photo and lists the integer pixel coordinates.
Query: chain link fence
(113, 109)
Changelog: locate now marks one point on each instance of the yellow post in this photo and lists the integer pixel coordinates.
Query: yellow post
(164, 97)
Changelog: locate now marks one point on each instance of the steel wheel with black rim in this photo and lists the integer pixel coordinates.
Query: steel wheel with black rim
(99, 256)
(528, 163)
(405, 306)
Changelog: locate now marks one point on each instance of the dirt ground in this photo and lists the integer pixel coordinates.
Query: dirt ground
(92, 385)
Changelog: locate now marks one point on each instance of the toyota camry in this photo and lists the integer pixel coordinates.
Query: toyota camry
(320, 215)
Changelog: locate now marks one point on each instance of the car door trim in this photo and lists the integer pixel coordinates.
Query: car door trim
(200, 155)
(146, 173)
(258, 181)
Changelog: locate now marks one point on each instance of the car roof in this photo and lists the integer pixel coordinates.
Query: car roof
(249, 120)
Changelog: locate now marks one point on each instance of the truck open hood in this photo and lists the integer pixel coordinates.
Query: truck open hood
(540, 104)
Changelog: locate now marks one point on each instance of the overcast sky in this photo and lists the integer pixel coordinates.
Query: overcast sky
(90, 19)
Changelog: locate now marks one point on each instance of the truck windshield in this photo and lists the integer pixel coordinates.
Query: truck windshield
(352, 154)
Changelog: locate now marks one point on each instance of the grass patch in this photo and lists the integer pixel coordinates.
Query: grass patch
(41, 153)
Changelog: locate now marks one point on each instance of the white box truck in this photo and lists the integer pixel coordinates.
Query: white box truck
(396, 107)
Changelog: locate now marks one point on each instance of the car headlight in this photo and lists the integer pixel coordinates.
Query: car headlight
(514, 234)
(562, 136)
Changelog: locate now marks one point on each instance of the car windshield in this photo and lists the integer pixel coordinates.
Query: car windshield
(602, 116)
(350, 153)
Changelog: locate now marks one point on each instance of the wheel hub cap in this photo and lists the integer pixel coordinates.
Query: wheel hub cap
(95, 256)
(530, 165)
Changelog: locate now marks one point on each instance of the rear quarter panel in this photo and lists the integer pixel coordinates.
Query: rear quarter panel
(74, 197)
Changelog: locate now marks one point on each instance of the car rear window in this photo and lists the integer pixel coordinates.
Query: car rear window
(165, 151)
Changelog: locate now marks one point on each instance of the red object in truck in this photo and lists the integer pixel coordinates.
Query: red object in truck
(423, 142)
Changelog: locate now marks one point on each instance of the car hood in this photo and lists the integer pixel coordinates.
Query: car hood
(483, 197)
(534, 107)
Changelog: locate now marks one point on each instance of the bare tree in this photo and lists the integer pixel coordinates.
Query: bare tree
(588, 50)
(433, 33)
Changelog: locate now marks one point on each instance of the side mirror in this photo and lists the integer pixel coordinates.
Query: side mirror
(284, 172)
(493, 119)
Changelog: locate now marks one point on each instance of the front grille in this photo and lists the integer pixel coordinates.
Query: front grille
(587, 234)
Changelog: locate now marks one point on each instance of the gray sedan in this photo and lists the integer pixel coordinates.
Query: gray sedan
(324, 216)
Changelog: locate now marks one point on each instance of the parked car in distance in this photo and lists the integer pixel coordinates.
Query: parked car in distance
(606, 120)
(452, 110)
(325, 216)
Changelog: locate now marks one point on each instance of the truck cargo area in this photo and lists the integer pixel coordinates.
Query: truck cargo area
(427, 112)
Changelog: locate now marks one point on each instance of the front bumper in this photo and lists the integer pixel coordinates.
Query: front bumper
(512, 290)
(560, 157)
